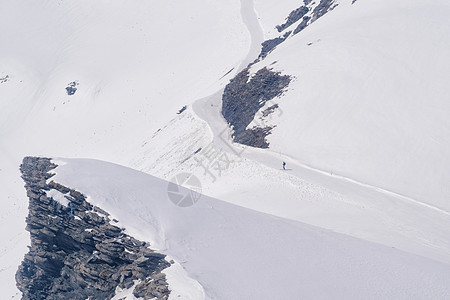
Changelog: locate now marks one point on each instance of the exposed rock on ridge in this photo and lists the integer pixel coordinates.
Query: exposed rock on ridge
(76, 252)
(317, 10)
(269, 45)
(243, 98)
(293, 17)
(308, 13)
(72, 88)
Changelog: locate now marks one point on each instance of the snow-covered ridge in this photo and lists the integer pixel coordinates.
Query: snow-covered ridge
(130, 60)
(78, 250)
(363, 127)
(369, 100)
(228, 249)
(245, 95)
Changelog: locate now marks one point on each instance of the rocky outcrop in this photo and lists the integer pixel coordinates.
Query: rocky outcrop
(293, 17)
(269, 45)
(269, 110)
(303, 24)
(322, 8)
(71, 88)
(317, 10)
(244, 97)
(4, 79)
(307, 13)
(76, 250)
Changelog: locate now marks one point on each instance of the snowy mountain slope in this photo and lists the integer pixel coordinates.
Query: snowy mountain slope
(239, 253)
(91, 48)
(394, 219)
(270, 14)
(252, 178)
(370, 97)
(136, 64)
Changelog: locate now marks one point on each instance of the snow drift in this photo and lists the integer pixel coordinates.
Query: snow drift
(237, 253)
(370, 99)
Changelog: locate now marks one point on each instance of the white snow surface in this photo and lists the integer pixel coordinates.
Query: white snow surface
(137, 63)
(370, 96)
(237, 253)
(363, 127)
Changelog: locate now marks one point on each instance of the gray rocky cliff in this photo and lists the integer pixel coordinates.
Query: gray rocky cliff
(76, 251)
(317, 9)
(303, 16)
(244, 97)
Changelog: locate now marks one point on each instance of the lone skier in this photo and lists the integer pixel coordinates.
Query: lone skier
(284, 165)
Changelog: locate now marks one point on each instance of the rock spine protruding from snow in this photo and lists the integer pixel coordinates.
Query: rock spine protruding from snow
(307, 13)
(243, 98)
(76, 252)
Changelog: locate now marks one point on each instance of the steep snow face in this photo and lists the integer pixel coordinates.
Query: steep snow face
(134, 64)
(370, 99)
(129, 60)
(236, 253)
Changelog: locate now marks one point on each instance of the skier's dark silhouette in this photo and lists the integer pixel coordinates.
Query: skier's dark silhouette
(284, 165)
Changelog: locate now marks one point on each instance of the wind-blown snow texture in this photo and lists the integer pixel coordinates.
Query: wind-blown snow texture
(371, 99)
(129, 59)
(76, 250)
(364, 126)
(243, 97)
(237, 253)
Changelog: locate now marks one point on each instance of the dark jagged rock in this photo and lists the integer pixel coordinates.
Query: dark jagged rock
(243, 98)
(75, 252)
(293, 17)
(322, 8)
(303, 24)
(255, 137)
(151, 288)
(181, 110)
(269, 110)
(71, 88)
(297, 14)
(269, 45)
(4, 79)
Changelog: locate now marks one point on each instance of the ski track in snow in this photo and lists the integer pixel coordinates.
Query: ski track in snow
(250, 19)
(130, 60)
(387, 205)
(311, 182)
(207, 237)
(213, 101)
(208, 109)
(296, 163)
